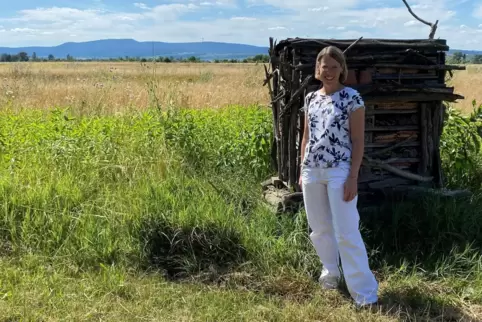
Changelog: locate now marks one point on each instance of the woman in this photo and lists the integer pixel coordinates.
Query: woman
(332, 151)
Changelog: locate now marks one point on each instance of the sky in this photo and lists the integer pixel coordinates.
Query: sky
(52, 22)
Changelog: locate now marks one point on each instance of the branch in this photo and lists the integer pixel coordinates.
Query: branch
(432, 26)
(393, 147)
(353, 44)
(295, 95)
(404, 174)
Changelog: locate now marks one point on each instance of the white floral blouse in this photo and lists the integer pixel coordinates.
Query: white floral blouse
(329, 141)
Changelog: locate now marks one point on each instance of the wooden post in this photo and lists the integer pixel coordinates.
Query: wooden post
(424, 152)
(293, 126)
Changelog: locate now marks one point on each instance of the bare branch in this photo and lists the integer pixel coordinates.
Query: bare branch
(432, 26)
(353, 44)
(367, 161)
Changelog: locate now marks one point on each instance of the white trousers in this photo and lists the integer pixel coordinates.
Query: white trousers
(335, 231)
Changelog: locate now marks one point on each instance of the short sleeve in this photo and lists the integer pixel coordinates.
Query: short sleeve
(356, 101)
(307, 101)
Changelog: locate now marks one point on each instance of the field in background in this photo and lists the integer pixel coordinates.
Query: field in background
(117, 87)
(110, 210)
(468, 84)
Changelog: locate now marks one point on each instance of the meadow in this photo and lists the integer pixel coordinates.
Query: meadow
(131, 192)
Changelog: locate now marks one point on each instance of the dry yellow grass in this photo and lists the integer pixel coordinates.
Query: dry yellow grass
(468, 83)
(115, 87)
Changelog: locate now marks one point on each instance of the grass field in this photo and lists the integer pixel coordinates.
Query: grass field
(118, 204)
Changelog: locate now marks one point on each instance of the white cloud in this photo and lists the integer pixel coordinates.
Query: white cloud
(169, 12)
(55, 14)
(243, 18)
(141, 5)
(478, 12)
(302, 18)
(23, 30)
(411, 23)
(319, 9)
(307, 4)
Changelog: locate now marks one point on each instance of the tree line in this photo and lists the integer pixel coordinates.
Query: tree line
(455, 58)
(461, 58)
(24, 57)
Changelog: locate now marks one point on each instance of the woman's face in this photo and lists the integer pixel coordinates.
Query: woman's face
(330, 70)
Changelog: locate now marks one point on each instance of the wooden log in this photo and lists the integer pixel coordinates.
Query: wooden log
(429, 136)
(273, 155)
(437, 122)
(380, 76)
(394, 136)
(276, 125)
(285, 123)
(392, 147)
(391, 128)
(391, 112)
(411, 97)
(368, 44)
(369, 162)
(421, 67)
(396, 106)
(385, 145)
(379, 60)
(293, 105)
(424, 139)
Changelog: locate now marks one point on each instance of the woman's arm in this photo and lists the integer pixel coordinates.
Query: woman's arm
(303, 146)
(357, 135)
(304, 139)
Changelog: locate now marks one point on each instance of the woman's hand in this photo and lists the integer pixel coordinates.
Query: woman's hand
(350, 189)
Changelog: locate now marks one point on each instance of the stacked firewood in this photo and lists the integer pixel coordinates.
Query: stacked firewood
(403, 85)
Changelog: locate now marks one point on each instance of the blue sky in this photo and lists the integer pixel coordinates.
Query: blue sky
(50, 22)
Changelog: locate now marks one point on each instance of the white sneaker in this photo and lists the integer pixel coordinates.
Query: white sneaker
(329, 282)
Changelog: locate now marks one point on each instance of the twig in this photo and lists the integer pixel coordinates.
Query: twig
(393, 147)
(295, 95)
(432, 26)
(268, 78)
(353, 44)
(404, 174)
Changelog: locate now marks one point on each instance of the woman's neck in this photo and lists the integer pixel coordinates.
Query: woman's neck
(331, 89)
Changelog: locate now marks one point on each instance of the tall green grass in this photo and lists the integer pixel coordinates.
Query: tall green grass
(179, 194)
(178, 191)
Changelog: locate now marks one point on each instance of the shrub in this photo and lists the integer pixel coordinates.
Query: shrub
(461, 147)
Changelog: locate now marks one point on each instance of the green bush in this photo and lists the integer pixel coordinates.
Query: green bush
(461, 144)
(234, 139)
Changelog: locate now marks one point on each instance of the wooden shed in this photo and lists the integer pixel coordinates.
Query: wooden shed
(403, 84)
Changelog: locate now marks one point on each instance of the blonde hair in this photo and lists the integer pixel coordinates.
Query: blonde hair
(336, 54)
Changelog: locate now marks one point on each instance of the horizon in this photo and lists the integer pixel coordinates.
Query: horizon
(193, 42)
(49, 23)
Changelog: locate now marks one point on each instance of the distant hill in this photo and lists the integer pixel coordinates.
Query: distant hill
(114, 48)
